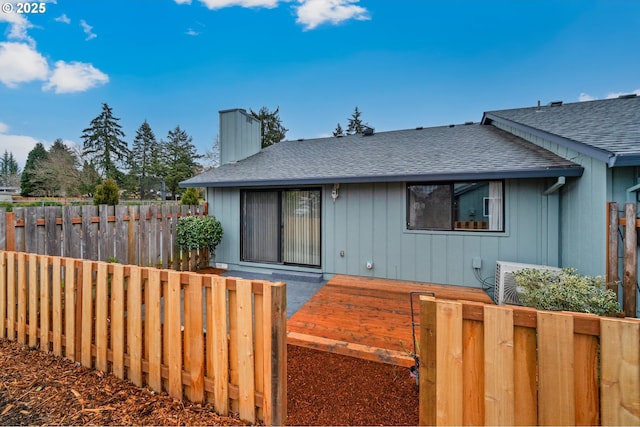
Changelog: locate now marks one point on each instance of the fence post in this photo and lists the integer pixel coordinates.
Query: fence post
(613, 277)
(278, 356)
(630, 278)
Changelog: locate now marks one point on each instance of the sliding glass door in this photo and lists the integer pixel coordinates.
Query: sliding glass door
(281, 226)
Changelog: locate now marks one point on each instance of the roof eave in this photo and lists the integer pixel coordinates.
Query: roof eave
(459, 176)
(624, 159)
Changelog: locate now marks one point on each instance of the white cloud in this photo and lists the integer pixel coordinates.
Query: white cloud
(312, 13)
(617, 94)
(192, 32)
(63, 18)
(88, 30)
(219, 4)
(183, 1)
(18, 145)
(75, 77)
(21, 63)
(18, 26)
(585, 97)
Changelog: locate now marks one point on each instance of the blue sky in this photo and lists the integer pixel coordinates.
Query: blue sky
(404, 63)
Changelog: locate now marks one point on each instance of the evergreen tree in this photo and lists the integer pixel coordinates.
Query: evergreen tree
(355, 126)
(338, 131)
(178, 159)
(28, 181)
(272, 129)
(103, 144)
(9, 170)
(144, 158)
(107, 193)
(89, 179)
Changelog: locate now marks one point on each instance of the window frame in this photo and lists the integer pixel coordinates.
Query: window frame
(452, 208)
(280, 195)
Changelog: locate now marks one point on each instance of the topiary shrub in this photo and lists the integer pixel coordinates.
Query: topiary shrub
(567, 291)
(107, 193)
(190, 197)
(199, 232)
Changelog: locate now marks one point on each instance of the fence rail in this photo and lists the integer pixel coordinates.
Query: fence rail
(137, 235)
(505, 365)
(209, 338)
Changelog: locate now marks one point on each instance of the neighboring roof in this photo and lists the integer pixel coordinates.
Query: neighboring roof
(462, 152)
(607, 130)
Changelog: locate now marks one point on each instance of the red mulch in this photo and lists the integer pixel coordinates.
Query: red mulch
(323, 389)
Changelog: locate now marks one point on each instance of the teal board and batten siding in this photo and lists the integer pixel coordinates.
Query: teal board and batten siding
(367, 223)
(583, 208)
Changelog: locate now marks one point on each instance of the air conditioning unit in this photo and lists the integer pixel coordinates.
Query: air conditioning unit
(506, 291)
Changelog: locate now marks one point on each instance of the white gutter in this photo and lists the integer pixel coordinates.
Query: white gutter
(559, 183)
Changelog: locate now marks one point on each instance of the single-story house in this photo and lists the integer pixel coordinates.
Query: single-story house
(434, 204)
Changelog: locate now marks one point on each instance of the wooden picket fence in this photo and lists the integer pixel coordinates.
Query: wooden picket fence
(137, 235)
(507, 365)
(207, 338)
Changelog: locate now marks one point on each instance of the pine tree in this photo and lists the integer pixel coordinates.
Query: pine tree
(9, 170)
(272, 129)
(89, 179)
(103, 144)
(338, 131)
(178, 159)
(355, 126)
(144, 157)
(29, 183)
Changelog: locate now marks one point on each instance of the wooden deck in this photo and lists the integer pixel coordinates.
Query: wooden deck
(367, 318)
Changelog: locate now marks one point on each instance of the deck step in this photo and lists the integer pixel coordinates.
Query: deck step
(298, 276)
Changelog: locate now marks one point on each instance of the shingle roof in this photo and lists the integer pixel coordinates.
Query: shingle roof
(608, 129)
(437, 153)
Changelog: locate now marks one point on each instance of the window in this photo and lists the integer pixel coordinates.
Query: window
(281, 226)
(476, 206)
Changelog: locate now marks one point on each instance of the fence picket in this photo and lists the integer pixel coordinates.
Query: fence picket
(52, 231)
(87, 313)
(194, 339)
(33, 300)
(174, 335)
(525, 385)
(473, 372)
(153, 329)
(3, 293)
(134, 326)
(620, 376)
(246, 384)
(101, 334)
(3, 229)
(11, 296)
(217, 327)
(586, 380)
(56, 299)
(117, 320)
(498, 365)
(70, 304)
(44, 303)
(555, 361)
(22, 298)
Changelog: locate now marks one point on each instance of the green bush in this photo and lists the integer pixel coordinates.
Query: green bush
(199, 232)
(190, 197)
(107, 193)
(567, 291)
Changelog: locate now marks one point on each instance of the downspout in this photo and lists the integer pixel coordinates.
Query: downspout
(555, 187)
(559, 183)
